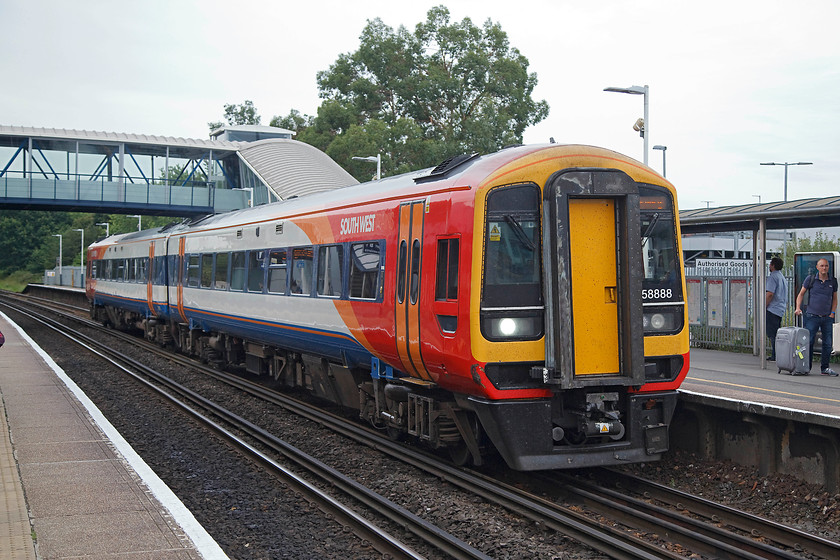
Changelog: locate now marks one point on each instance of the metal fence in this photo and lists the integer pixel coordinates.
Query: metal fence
(720, 310)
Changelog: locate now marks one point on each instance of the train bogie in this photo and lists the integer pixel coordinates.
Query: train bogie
(529, 301)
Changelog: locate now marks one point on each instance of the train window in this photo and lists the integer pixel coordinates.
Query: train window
(221, 278)
(365, 259)
(330, 268)
(277, 271)
(446, 286)
(193, 263)
(512, 247)
(172, 270)
(238, 270)
(401, 272)
(415, 271)
(119, 270)
(143, 269)
(302, 270)
(660, 259)
(131, 270)
(160, 271)
(207, 270)
(255, 271)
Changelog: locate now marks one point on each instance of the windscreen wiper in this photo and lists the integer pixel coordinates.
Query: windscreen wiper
(520, 233)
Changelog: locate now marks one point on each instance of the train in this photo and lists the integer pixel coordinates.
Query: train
(527, 303)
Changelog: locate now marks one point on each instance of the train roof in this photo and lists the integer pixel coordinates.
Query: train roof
(459, 171)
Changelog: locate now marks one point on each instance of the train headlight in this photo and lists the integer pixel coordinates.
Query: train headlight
(663, 320)
(507, 327)
(503, 328)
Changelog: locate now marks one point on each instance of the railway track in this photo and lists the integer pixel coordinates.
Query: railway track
(644, 531)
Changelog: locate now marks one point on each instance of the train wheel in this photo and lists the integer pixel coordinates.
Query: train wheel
(460, 454)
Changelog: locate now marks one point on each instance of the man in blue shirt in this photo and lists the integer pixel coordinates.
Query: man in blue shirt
(819, 315)
(776, 301)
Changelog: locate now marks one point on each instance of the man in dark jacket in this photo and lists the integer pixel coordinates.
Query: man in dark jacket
(819, 314)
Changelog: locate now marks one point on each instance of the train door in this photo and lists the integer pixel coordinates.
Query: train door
(594, 280)
(406, 303)
(150, 280)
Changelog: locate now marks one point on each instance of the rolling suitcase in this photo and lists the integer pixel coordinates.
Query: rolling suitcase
(792, 347)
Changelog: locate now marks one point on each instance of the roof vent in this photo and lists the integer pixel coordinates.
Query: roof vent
(445, 167)
(278, 228)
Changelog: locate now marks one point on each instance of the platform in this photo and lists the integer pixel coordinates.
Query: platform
(72, 486)
(737, 381)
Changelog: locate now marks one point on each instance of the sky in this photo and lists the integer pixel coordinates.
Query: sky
(731, 84)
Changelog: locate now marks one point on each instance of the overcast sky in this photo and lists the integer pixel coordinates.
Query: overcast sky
(732, 84)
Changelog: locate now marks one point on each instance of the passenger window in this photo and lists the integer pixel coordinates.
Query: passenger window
(206, 271)
(221, 277)
(255, 271)
(365, 260)
(132, 270)
(330, 277)
(277, 271)
(446, 286)
(120, 270)
(302, 270)
(193, 265)
(237, 271)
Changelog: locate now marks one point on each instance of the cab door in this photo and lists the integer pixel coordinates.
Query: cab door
(409, 275)
(594, 280)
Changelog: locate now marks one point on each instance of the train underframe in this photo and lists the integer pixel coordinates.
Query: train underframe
(575, 428)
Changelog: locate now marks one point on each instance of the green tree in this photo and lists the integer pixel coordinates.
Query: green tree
(418, 97)
(245, 113)
(803, 244)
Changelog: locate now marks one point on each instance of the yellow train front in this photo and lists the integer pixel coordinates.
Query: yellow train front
(577, 338)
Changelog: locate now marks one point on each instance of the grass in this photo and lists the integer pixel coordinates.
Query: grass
(17, 281)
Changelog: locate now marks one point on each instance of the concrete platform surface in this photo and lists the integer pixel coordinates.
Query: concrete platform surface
(72, 486)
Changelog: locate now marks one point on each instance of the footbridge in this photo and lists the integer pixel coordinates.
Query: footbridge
(121, 173)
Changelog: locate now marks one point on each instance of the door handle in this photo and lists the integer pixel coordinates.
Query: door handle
(610, 294)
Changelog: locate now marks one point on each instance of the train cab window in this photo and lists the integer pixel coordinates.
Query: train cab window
(401, 272)
(446, 285)
(330, 269)
(256, 271)
(220, 281)
(193, 266)
(207, 270)
(660, 259)
(277, 271)
(238, 271)
(365, 259)
(302, 270)
(415, 272)
(512, 306)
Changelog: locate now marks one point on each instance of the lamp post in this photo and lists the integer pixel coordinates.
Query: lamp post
(82, 273)
(139, 221)
(663, 148)
(759, 197)
(377, 159)
(786, 164)
(644, 129)
(708, 202)
(60, 251)
(107, 227)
